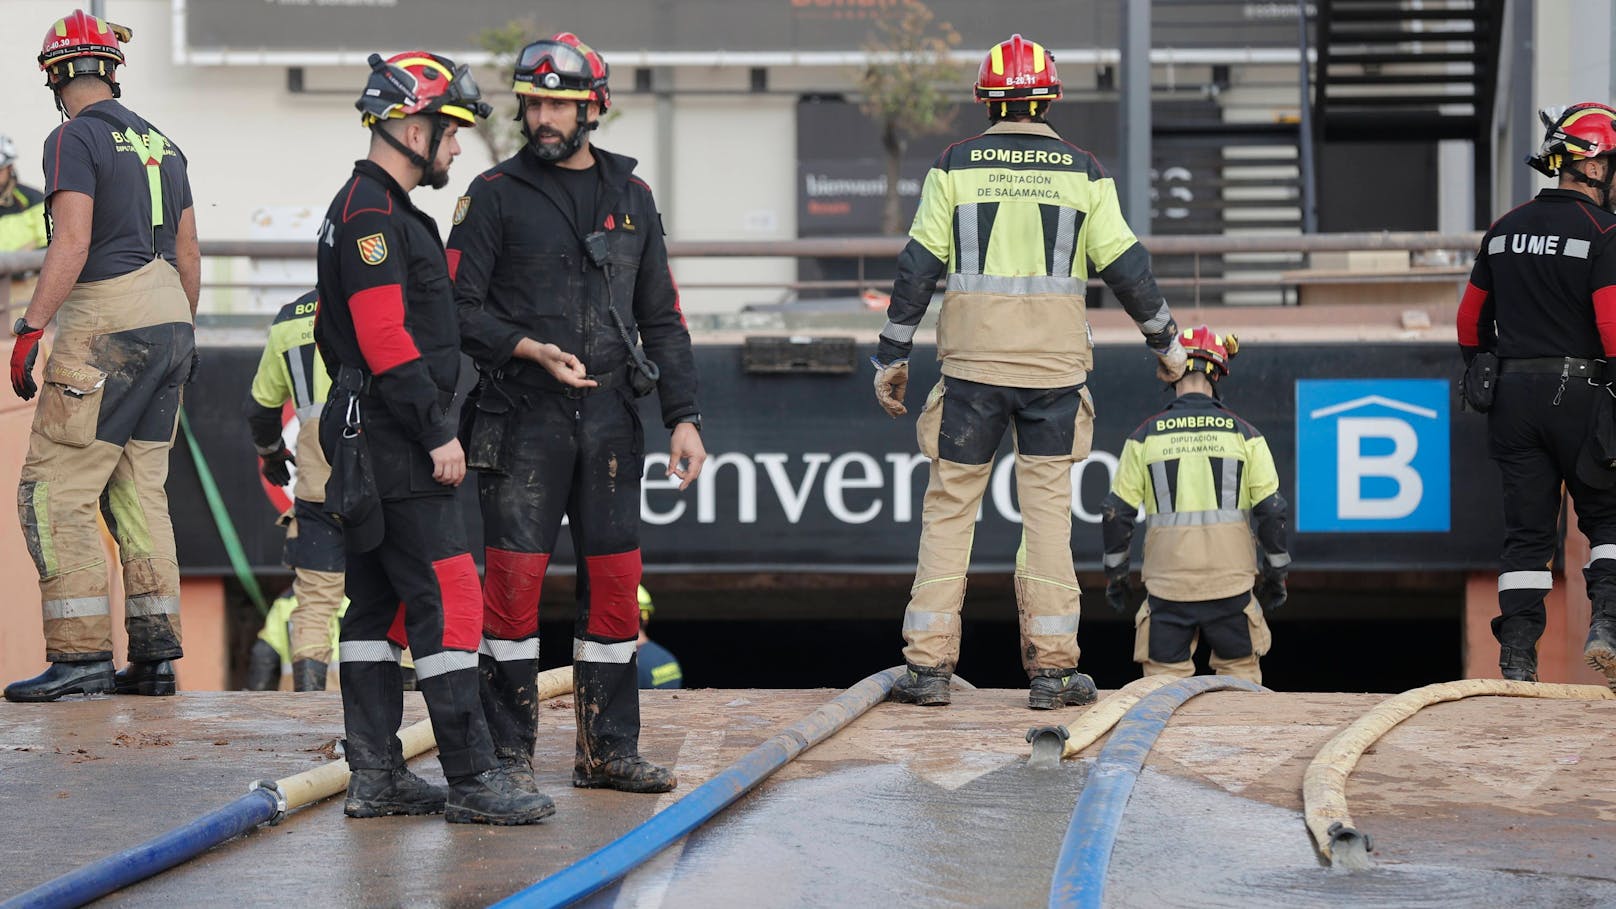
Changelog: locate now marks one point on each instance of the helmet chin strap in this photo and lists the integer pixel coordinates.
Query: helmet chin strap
(1603, 186)
(569, 147)
(429, 176)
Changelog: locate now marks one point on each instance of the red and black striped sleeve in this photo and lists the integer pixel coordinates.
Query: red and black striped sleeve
(1477, 331)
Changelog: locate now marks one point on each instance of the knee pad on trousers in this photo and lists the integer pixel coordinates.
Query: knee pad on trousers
(462, 601)
(614, 600)
(511, 590)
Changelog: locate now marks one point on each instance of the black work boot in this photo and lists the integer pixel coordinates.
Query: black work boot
(922, 685)
(58, 679)
(518, 768)
(1053, 688)
(1517, 663)
(1600, 651)
(491, 797)
(382, 793)
(152, 678)
(626, 774)
(263, 667)
(308, 675)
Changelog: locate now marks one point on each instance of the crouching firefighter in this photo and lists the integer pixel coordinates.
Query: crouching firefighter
(1203, 474)
(386, 329)
(290, 372)
(1011, 218)
(560, 273)
(120, 279)
(1539, 317)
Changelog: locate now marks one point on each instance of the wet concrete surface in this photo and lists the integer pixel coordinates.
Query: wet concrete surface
(1491, 801)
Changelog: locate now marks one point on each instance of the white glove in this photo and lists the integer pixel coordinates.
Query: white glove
(1173, 362)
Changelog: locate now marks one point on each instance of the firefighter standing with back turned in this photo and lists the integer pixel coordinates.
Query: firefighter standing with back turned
(1011, 218)
(387, 330)
(291, 370)
(559, 264)
(1537, 326)
(1202, 474)
(121, 279)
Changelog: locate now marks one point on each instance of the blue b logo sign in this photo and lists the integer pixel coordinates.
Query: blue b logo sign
(1371, 455)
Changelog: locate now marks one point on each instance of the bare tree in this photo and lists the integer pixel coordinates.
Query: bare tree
(906, 88)
(501, 133)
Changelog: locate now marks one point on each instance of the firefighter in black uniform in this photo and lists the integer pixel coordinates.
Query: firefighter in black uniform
(559, 266)
(386, 329)
(1542, 300)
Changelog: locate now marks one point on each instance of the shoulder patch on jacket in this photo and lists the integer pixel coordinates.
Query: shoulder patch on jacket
(373, 249)
(461, 207)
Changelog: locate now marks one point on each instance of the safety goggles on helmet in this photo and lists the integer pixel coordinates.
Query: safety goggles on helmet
(420, 83)
(1573, 133)
(562, 67)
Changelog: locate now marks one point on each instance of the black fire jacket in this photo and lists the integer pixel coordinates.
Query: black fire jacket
(520, 270)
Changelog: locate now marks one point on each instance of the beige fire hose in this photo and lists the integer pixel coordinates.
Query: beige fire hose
(1324, 786)
(311, 786)
(1052, 744)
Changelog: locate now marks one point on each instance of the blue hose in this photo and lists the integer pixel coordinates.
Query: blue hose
(1085, 853)
(98, 879)
(633, 848)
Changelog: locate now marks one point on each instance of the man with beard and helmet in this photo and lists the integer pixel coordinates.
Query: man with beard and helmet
(121, 280)
(1203, 475)
(1539, 315)
(386, 328)
(560, 272)
(1011, 220)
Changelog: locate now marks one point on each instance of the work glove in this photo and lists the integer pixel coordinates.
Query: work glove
(1118, 594)
(891, 381)
(1271, 593)
(24, 351)
(275, 469)
(1173, 362)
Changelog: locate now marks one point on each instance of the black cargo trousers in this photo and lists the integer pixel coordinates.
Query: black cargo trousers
(578, 453)
(1537, 426)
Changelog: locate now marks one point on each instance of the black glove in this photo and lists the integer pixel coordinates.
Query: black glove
(275, 466)
(196, 365)
(1118, 593)
(1271, 593)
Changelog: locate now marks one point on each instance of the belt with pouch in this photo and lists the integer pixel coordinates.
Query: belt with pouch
(1552, 366)
(533, 377)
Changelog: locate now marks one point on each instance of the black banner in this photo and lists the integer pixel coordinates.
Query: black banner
(807, 474)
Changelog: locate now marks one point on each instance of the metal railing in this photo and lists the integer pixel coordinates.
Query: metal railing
(1213, 266)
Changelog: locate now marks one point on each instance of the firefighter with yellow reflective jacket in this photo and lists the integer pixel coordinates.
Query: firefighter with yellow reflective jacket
(22, 208)
(120, 281)
(291, 370)
(1011, 219)
(1202, 474)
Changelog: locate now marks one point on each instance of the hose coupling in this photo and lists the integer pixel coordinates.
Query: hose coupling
(274, 789)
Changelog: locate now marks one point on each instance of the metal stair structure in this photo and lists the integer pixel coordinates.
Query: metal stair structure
(1394, 70)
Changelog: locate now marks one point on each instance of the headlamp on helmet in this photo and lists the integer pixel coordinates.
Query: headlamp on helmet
(562, 66)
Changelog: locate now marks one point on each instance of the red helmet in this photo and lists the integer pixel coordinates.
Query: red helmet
(562, 66)
(417, 82)
(1017, 70)
(82, 45)
(1209, 353)
(1574, 133)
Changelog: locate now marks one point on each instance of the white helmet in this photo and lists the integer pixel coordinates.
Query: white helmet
(8, 151)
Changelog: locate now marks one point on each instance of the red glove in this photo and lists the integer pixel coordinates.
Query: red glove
(24, 351)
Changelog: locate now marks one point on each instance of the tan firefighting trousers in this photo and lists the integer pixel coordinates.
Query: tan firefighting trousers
(319, 597)
(1246, 667)
(1047, 593)
(105, 421)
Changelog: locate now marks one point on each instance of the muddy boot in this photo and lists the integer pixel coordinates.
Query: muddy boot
(922, 685)
(1060, 688)
(518, 768)
(382, 793)
(308, 675)
(94, 677)
(1518, 664)
(491, 797)
(263, 667)
(630, 774)
(152, 678)
(1601, 649)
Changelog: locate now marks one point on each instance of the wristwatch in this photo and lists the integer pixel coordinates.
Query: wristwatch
(694, 420)
(21, 327)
